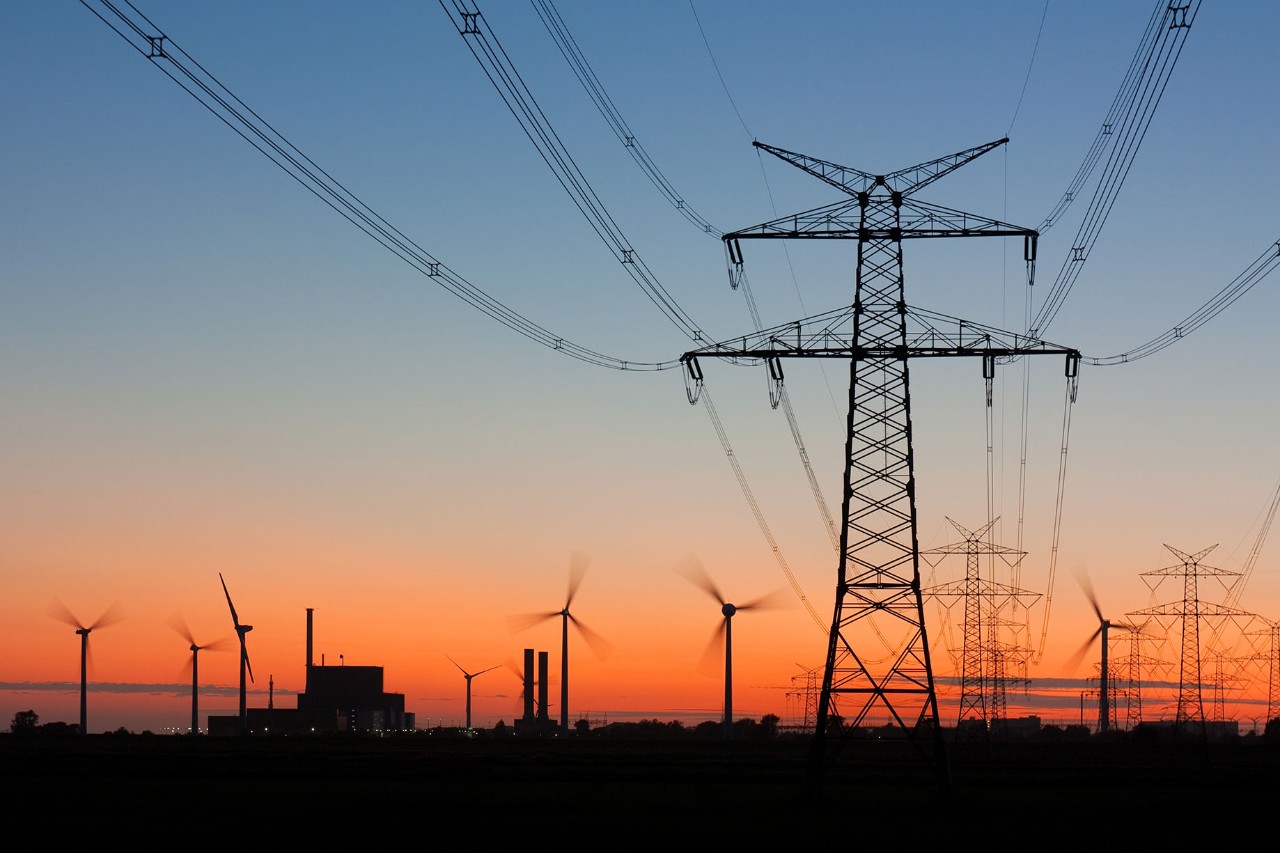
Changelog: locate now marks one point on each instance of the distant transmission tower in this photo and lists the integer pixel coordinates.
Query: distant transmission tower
(878, 580)
(983, 659)
(1189, 613)
(1131, 667)
(1270, 660)
(805, 688)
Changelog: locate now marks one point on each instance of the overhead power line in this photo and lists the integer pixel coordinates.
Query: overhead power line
(1106, 131)
(506, 79)
(145, 37)
(1151, 76)
(582, 69)
(1239, 286)
(595, 89)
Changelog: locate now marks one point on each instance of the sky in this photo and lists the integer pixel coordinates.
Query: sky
(207, 370)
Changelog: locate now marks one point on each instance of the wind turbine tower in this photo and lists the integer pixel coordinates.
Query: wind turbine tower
(878, 576)
(697, 575)
(245, 666)
(469, 676)
(1106, 685)
(109, 617)
(577, 568)
(180, 625)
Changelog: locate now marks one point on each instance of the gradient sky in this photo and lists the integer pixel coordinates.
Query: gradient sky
(206, 369)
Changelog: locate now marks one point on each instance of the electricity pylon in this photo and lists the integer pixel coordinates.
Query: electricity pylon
(982, 659)
(1190, 611)
(878, 580)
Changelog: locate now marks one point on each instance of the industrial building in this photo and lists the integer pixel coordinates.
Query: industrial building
(336, 699)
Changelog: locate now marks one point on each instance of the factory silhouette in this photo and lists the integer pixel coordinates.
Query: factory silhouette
(352, 699)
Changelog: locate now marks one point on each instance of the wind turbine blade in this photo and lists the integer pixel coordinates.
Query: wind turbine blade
(62, 613)
(110, 616)
(177, 623)
(222, 644)
(486, 669)
(1075, 659)
(770, 601)
(235, 620)
(517, 672)
(248, 665)
(524, 621)
(458, 665)
(1082, 578)
(712, 660)
(578, 563)
(693, 572)
(602, 647)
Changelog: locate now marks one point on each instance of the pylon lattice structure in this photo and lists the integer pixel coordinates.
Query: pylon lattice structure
(1129, 670)
(805, 689)
(1226, 675)
(878, 579)
(1189, 613)
(984, 656)
(1273, 671)
(1006, 662)
(1269, 661)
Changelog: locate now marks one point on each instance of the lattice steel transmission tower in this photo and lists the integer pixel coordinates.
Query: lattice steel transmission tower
(984, 658)
(1270, 664)
(1189, 613)
(805, 688)
(1273, 671)
(878, 579)
(1131, 666)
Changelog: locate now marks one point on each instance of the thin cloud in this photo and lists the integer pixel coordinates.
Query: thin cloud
(125, 688)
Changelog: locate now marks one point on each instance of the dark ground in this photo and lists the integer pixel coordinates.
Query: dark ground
(631, 794)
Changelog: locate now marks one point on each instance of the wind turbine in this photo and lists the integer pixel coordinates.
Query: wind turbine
(60, 612)
(577, 568)
(179, 624)
(693, 572)
(469, 676)
(1104, 627)
(241, 630)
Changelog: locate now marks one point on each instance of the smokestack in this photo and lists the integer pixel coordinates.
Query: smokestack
(542, 686)
(528, 685)
(310, 610)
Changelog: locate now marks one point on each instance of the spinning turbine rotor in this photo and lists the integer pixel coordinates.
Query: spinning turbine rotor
(110, 616)
(177, 623)
(577, 568)
(692, 570)
(1104, 627)
(245, 666)
(469, 676)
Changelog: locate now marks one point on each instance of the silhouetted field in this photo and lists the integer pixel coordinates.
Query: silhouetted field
(633, 794)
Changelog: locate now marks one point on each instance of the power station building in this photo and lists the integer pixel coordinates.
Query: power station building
(336, 699)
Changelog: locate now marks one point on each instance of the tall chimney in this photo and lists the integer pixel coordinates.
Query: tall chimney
(310, 610)
(528, 685)
(542, 686)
